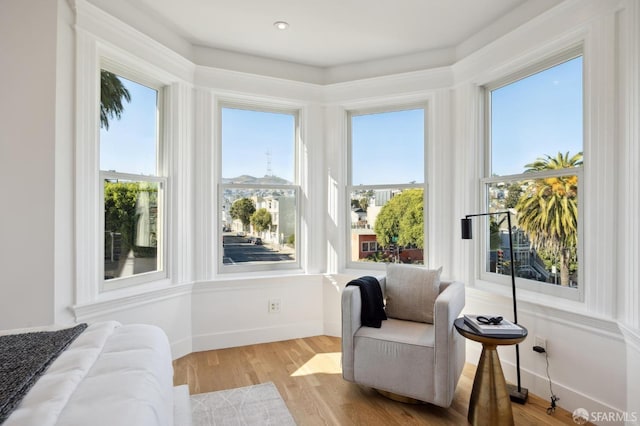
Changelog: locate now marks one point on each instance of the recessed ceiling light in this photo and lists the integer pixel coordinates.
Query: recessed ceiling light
(281, 25)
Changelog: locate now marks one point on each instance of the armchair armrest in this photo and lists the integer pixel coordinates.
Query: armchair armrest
(449, 304)
(351, 307)
(449, 345)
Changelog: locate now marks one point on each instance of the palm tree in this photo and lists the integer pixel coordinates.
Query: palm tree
(112, 92)
(548, 209)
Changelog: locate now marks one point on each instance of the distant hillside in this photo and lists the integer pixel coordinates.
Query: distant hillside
(265, 180)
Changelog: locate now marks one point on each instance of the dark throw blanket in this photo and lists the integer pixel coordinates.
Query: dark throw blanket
(24, 358)
(372, 302)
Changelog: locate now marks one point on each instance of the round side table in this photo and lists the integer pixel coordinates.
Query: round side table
(489, 404)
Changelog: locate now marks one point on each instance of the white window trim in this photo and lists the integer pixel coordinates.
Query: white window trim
(349, 187)
(601, 247)
(160, 178)
(254, 269)
(533, 286)
(94, 54)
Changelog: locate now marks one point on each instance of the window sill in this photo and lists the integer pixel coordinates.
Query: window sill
(251, 275)
(546, 307)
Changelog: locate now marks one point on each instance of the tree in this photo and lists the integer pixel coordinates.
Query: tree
(120, 209)
(112, 92)
(242, 209)
(402, 217)
(261, 220)
(548, 209)
(514, 191)
(495, 240)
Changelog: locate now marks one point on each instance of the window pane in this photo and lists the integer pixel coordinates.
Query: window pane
(258, 147)
(130, 228)
(544, 228)
(387, 226)
(537, 116)
(258, 225)
(388, 148)
(129, 126)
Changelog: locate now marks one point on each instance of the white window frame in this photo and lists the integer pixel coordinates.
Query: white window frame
(350, 187)
(93, 55)
(276, 266)
(160, 178)
(570, 293)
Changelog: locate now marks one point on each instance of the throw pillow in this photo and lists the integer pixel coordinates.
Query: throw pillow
(411, 292)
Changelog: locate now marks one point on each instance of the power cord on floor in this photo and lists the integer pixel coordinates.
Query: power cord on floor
(552, 408)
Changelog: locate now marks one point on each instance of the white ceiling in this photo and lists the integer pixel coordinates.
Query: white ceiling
(330, 33)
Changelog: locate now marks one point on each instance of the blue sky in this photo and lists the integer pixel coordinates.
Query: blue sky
(388, 147)
(129, 146)
(539, 115)
(247, 136)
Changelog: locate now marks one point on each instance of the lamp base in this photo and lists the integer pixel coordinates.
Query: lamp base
(515, 396)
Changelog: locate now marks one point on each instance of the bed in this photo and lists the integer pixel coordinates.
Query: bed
(110, 374)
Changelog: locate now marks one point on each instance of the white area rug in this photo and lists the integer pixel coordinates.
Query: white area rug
(251, 405)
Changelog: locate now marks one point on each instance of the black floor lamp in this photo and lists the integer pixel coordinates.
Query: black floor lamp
(517, 394)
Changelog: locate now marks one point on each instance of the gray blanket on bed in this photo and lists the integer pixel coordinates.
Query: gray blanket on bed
(24, 358)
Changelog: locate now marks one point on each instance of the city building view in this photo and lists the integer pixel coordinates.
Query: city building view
(258, 225)
(366, 246)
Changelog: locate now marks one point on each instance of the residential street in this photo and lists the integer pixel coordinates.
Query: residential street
(239, 250)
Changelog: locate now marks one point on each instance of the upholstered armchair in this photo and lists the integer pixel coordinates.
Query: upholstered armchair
(418, 360)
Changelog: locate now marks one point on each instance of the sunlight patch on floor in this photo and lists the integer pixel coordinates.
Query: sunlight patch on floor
(327, 363)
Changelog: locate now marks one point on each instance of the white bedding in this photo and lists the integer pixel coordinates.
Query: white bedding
(111, 375)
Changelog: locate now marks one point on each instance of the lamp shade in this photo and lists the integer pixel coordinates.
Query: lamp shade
(467, 233)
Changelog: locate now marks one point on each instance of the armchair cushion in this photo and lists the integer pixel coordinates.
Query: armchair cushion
(411, 292)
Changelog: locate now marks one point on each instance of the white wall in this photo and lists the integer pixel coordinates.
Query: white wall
(229, 312)
(169, 309)
(28, 134)
(64, 254)
(200, 310)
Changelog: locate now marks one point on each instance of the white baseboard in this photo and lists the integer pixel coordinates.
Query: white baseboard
(181, 347)
(229, 339)
(333, 328)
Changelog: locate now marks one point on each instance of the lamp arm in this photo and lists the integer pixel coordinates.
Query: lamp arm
(507, 212)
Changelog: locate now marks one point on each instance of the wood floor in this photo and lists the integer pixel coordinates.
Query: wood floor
(308, 376)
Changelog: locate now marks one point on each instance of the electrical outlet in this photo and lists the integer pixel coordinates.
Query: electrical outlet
(274, 306)
(539, 341)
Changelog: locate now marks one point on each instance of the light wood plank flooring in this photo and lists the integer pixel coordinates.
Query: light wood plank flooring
(308, 376)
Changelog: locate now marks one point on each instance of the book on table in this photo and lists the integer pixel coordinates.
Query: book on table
(504, 327)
